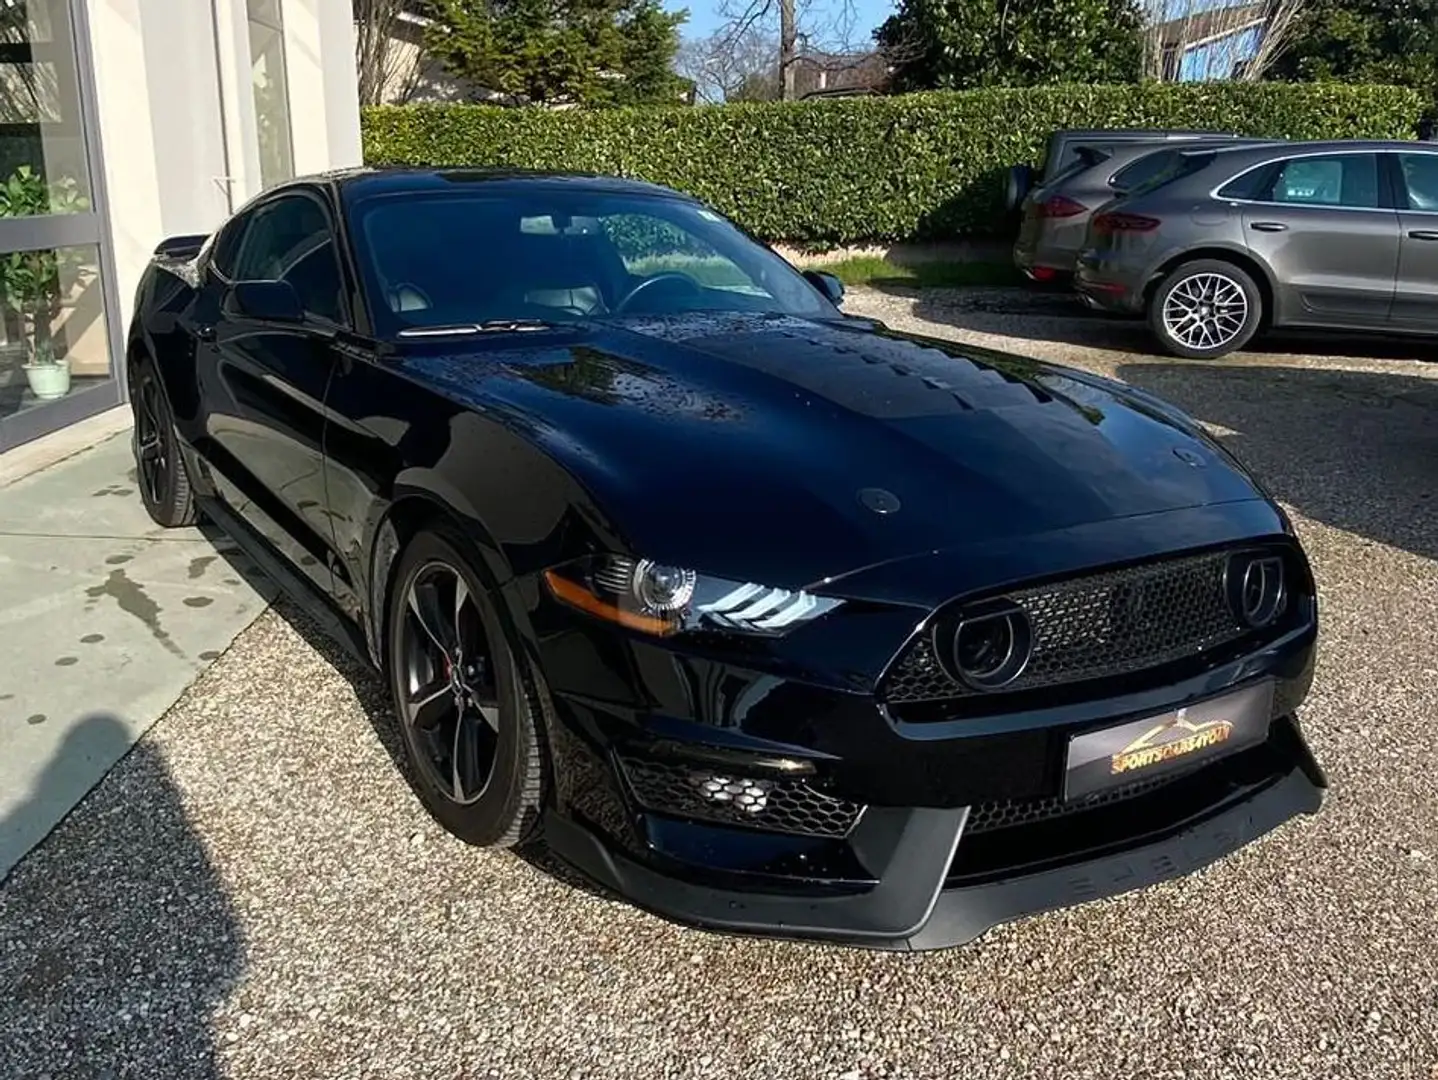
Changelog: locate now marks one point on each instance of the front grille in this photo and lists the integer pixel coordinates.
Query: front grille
(728, 798)
(1098, 626)
(1009, 813)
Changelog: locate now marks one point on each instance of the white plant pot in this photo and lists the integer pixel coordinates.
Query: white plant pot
(48, 381)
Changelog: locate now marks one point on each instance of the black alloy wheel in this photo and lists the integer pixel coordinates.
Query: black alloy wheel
(463, 708)
(163, 479)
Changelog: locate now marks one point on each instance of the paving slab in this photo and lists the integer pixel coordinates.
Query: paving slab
(103, 615)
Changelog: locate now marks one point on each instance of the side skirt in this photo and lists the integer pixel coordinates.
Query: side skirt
(298, 588)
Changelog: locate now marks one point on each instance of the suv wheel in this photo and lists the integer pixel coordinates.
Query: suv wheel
(1205, 309)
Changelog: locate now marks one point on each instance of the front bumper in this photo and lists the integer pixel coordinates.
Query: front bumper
(916, 904)
(796, 790)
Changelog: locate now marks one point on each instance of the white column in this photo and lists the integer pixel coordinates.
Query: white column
(126, 138)
(323, 86)
(237, 97)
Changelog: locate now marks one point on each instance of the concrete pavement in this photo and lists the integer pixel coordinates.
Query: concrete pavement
(103, 617)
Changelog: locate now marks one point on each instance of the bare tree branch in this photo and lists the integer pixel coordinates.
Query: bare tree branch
(1173, 28)
(387, 59)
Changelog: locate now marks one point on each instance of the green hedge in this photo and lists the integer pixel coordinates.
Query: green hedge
(920, 166)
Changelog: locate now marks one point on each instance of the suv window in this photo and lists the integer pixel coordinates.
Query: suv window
(1349, 180)
(1146, 168)
(1420, 178)
(1177, 165)
(289, 239)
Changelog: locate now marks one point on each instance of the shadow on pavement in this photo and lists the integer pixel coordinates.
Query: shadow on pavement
(1357, 451)
(374, 698)
(117, 940)
(1053, 315)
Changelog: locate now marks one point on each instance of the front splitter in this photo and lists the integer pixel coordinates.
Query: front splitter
(910, 909)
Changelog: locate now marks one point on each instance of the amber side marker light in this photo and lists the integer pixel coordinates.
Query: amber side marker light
(576, 595)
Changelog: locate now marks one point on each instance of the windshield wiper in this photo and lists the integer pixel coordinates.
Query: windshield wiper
(489, 326)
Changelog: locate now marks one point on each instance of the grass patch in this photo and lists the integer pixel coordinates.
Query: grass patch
(877, 271)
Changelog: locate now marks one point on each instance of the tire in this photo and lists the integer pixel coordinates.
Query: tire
(1211, 333)
(160, 470)
(501, 809)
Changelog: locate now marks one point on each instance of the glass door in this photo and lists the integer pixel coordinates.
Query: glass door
(270, 84)
(55, 335)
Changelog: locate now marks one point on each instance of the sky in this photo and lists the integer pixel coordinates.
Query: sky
(868, 14)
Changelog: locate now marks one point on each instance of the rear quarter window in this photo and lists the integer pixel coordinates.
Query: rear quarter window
(1180, 164)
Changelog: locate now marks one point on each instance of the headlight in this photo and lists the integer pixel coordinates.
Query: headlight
(659, 599)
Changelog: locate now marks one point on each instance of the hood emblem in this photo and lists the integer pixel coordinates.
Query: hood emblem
(879, 500)
(1189, 457)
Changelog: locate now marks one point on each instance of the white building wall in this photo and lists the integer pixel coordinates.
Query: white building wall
(176, 115)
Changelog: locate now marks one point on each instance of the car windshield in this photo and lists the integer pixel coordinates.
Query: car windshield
(444, 259)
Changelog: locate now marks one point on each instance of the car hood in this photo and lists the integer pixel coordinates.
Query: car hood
(789, 451)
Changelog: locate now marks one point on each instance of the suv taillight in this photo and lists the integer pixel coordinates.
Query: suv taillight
(1119, 222)
(1060, 206)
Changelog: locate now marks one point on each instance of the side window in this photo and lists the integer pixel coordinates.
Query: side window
(1146, 168)
(1420, 178)
(290, 240)
(1252, 185)
(1349, 180)
(222, 256)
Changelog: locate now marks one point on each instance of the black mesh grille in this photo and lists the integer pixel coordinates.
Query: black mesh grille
(991, 816)
(774, 804)
(1107, 624)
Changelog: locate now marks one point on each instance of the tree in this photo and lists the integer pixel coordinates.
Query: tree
(1225, 32)
(959, 44)
(727, 67)
(382, 60)
(792, 27)
(589, 52)
(1383, 41)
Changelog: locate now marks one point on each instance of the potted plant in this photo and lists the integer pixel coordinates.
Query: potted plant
(32, 283)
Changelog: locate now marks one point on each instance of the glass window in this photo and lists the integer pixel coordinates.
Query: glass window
(557, 256)
(290, 240)
(54, 329)
(1177, 165)
(1338, 180)
(41, 140)
(271, 91)
(1144, 169)
(56, 340)
(1420, 177)
(1254, 184)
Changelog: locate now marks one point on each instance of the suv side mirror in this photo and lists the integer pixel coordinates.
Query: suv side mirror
(828, 284)
(269, 301)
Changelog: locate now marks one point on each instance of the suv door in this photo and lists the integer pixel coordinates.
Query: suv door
(1328, 232)
(1415, 303)
(265, 383)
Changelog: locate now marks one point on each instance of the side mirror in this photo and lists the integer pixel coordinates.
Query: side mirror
(828, 284)
(269, 301)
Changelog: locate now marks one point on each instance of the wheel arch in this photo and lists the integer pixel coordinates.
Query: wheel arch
(411, 511)
(1243, 259)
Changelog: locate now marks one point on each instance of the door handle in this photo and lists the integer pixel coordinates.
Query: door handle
(1269, 226)
(1424, 234)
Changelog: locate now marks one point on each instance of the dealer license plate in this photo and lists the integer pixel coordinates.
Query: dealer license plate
(1167, 743)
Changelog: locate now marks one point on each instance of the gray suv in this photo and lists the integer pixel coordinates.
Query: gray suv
(1056, 213)
(1337, 235)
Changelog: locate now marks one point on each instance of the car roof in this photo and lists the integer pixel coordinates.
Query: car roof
(1139, 134)
(365, 181)
(1328, 146)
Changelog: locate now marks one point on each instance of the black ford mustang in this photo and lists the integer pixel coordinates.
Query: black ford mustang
(769, 618)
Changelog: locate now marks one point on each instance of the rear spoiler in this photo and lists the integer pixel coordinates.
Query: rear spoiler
(181, 247)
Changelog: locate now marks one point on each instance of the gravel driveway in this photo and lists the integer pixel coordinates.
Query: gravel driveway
(254, 893)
